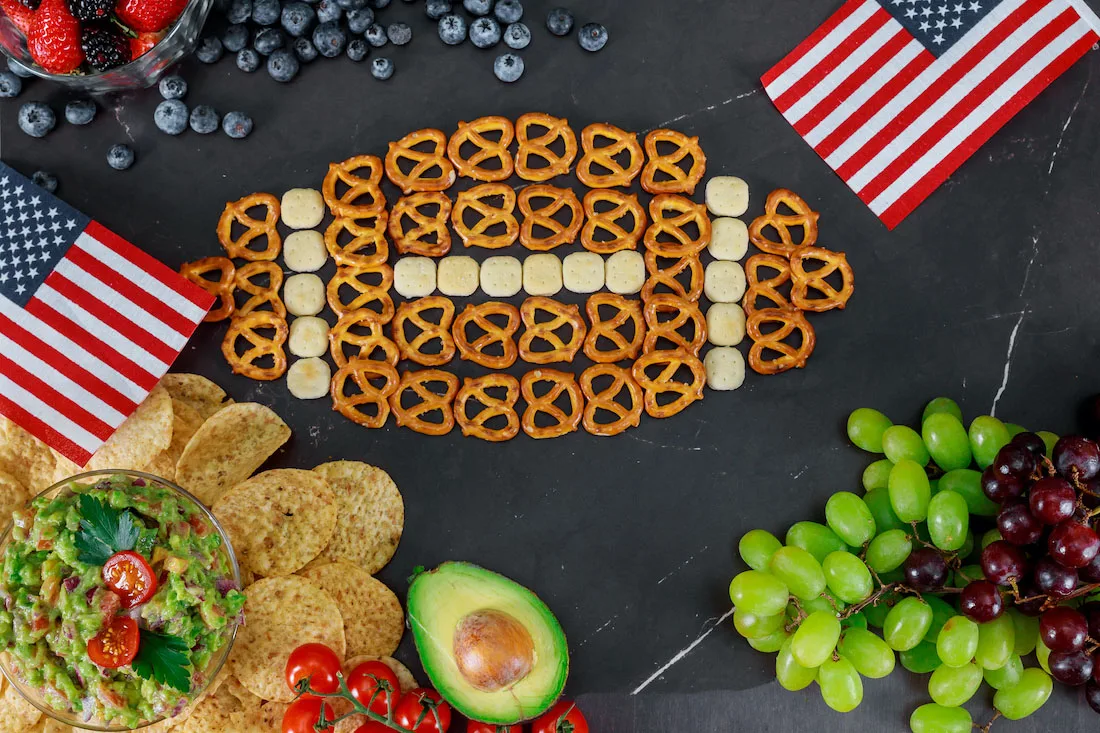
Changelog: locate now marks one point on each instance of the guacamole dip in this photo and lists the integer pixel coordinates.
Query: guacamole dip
(114, 597)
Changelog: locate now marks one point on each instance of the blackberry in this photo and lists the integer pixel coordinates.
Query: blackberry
(89, 10)
(45, 181)
(104, 46)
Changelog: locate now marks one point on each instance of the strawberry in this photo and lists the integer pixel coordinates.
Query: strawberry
(54, 38)
(149, 15)
(19, 13)
(140, 44)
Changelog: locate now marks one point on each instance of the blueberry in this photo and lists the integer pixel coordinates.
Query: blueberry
(508, 67)
(592, 36)
(436, 9)
(265, 12)
(478, 7)
(282, 66)
(80, 111)
(173, 87)
(237, 125)
(328, 11)
(304, 50)
(248, 60)
(36, 119)
(18, 70)
(239, 11)
(376, 35)
(485, 33)
(379, 4)
(329, 38)
(452, 29)
(10, 85)
(360, 20)
(297, 17)
(204, 119)
(508, 11)
(235, 37)
(44, 180)
(267, 40)
(209, 50)
(358, 49)
(517, 35)
(120, 157)
(399, 33)
(352, 4)
(170, 116)
(381, 68)
(559, 21)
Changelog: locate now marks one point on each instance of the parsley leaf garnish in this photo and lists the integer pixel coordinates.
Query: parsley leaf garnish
(164, 658)
(104, 531)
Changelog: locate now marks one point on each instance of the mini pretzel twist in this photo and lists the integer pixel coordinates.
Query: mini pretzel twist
(626, 417)
(366, 294)
(413, 417)
(412, 312)
(563, 315)
(678, 181)
(247, 327)
(364, 373)
(368, 246)
(561, 383)
(494, 334)
(790, 357)
(475, 199)
(416, 239)
(366, 345)
(665, 382)
(423, 162)
(560, 198)
(803, 216)
(236, 212)
(685, 212)
(684, 312)
(539, 146)
(616, 236)
(626, 310)
(667, 276)
(765, 288)
(261, 294)
(474, 133)
(805, 281)
(595, 158)
(477, 389)
(222, 288)
(364, 197)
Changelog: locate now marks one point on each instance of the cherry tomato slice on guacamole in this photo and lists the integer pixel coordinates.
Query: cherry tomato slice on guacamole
(317, 662)
(564, 717)
(117, 645)
(128, 575)
(423, 711)
(304, 713)
(364, 681)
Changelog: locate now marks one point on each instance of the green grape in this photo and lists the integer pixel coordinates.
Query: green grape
(876, 612)
(847, 576)
(790, 674)
(967, 483)
(757, 547)
(948, 520)
(1049, 439)
(1007, 675)
(996, 642)
(957, 642)
(965, 574)
(907, 623)
(1027, 632)
(751, 626)
(757, 592)
(934, 486)
(855, 621)
(1026, 696)
(849, 518)
(921, 659)
(877, 474)
(990, 537)
(909, 491)
(941, 406)
(799, 571)
(942, 612)
(878, 501)
(987, 436)
(814, 538)
(769, 644)
(896, 575)
(946, 440)
(889, 550)
(1014, 429)
(865, 428)
(967, 548)
(823, 602)
(932, 718)
(952, 686)
(841, 687)
(902, 442)
(815, 639)
(869, 654)
(1042, 655)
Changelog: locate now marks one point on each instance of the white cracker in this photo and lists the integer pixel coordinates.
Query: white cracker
(457, 275)
(304, 251)
(727, 196)
(625, 272)
(501, 276)
(308, 379)
(725, 324)
(724, 282)
(414, 277)
(302, 208)
(729, 239)
(304, 294)
(308, 336)
(582, 272)
(725, 367)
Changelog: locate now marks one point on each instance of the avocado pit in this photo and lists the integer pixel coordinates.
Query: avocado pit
(493, 650)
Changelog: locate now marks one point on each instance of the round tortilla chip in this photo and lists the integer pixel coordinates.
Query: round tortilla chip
(197, 391)
(282, 614)
(278, 520)
(228, 448)
(405, 678)
(271, 713)
(186, 420)
(371, 516)
(139, 439)
(373, 620)
(26, 458)
(15, 712)
(12, 496)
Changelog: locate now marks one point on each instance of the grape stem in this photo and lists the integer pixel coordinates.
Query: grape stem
(985, 728)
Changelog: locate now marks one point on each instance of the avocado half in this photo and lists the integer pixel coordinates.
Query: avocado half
(491, 647)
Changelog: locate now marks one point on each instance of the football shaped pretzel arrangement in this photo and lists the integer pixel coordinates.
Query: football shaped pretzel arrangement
(635, 241)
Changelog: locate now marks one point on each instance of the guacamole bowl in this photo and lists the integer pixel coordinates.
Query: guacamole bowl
(119, 600)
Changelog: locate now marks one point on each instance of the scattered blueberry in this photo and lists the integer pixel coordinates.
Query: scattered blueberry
(379, 4)
(297, 17)
(170, 116)
(44, 180)
(282, 66)
(248, 60)
(508, 67)
(237, 125)
(485, 33)
(120, 157)
(478, 7)
(436, 9)
(381, 68)
(268, 40)
(376, 35)
(10, 85)
(304, 50)
(239, 11)
(18, 70)
(399, 33)
(329, 38)
(508, 11)
(80, 111)
(358, 49)
(328, 11)
(592, 36)
(265, 12)
(452, 29)
(235, 37)
(359, 20)
(559, 21)
(36, 119)
(204, 119)
(209, 50)
(517, 35)
(173, 87)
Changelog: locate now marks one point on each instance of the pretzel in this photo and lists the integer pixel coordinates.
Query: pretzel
(411, 417)
(474, 198)
(625, 310)
(665, 382)
(789, 357)
(604, 157)
(366, 293)
(766, 288)
(683, 311)
(236, 212)
(415, 241)
(543, 217)
(365, 344)
(410, 311)
(688, 212)
(222, 288)
(472, 132)
(564, 422)
(539, 146)
(364, 372)
(803, 216)
(678, 181)
(626, 417)
(668, 276)
(608, 221)
(493, 407)
(547, 331)
(815, 280)
(415, 180)
(364, 196)
(246, 327)
(494, 334)
(261, 294)
(363, 237)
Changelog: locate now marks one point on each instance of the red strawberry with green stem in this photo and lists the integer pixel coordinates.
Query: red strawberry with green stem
(149, 15)
(54, 38)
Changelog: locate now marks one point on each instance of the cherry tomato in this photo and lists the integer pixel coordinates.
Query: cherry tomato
(423, 711)
(128, 575)
(317, 662)
(304, 713)
(473, 726)
(373, 726)
(365, 679)
(117, 645)
(564, 717)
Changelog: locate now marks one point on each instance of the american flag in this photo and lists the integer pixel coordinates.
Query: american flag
(88, 322)
(896, 94)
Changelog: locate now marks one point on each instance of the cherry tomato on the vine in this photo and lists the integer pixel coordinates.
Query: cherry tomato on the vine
(129, 576)
(116, 645)
(373, 726)
(365, 679)
(473, 726)
(423, 711)
(564, 717)
(304, 713)
(317, 662)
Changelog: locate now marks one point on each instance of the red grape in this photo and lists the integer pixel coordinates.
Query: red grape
(1053, 579)
(925, 569)
(1073, 545)
(1071, 668)
(1029, 590)
(981, 601)
(1092, 693)
(1014, 460)
(1000, 488)
(1063, 629)
(1091, 572)
(1032, 442)
(1052, 500)
(1092, 613)
(1002, 562)
(1018, 525)
(1076, 455)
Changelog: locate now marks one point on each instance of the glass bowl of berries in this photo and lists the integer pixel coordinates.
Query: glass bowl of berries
(100, 46)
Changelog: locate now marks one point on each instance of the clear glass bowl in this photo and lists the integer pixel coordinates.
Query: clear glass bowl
(142, 72)
(33, 695)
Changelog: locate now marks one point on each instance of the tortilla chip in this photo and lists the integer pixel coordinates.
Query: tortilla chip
(12, 496)
(139, 439)
(278, 520)
(282, 614)
(404, 676)
(373, 620)
(371, 516)
(185, 421)
(271, 713)
(228, 448)
(197, 391)
(214, 710)
(26, 458)
(15, 712)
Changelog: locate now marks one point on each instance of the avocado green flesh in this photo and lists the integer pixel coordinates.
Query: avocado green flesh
(437, 603)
